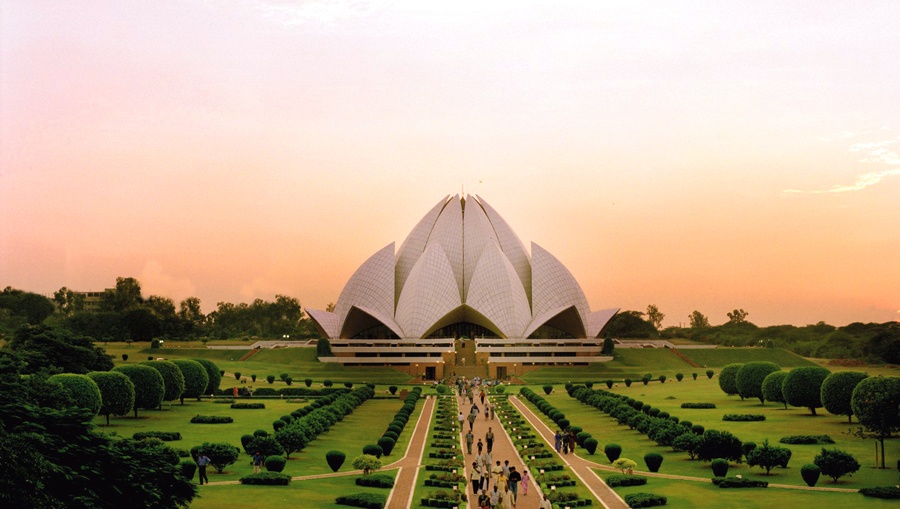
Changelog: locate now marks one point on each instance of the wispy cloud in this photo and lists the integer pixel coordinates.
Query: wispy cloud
(875, 152)
(317, 12)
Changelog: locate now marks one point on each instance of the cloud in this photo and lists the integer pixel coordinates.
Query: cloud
(316, 12)
(155, 281)
(876, 152)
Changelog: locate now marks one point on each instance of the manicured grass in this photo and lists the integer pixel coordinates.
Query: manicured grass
(718, 357)
(779, 422)
(306, 494)
(628, 363)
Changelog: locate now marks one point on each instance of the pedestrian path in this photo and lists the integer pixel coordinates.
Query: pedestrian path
(503, 450)
(405, 484)
(579, 466)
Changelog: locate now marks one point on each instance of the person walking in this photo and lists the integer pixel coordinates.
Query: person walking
(492, 411)
(513, 479)
(508, 500)
(479, 446)
(495, 498)
(482, 397)
(202, 461)
(461, 418)
(488, 408)
(471, 420)
(526, 479)
(489, 438)
(469, 439)
(545, 504)
(257, 462)
(496, 472)
(506, 468)
(475, 477)
(572, 442)
(557, 439)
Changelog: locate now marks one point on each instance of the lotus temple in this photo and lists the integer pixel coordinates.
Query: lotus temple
(462, 296)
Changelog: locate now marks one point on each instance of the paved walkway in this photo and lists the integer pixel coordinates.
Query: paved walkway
(405, 484)
(579, 466)
(503, 450)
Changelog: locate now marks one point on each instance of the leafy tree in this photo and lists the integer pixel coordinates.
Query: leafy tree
(750, 377)
(630, 324)
(142, 324)
(719, 444)
(293, 437)
(837, 389)
(737, 316)
(803, 387)
(58, 350)
(698, 320)
(84, 392)
(875, 401)
(835, 463)
(654, 316)
(172, 378)
(196, 379)
(728, 379)
(116, 392)
(220, 454)
(191, 315)
(34, 308)
(68, 302)
(768, 456)
(884, 346)
(367, 463)
(54, 459)
(149, 387)
(609, 347)
(214, 374)
(624, 464)
(687, 442)
(771, 387)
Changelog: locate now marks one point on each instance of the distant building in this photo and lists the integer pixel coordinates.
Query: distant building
(92, 300)
(462, 295)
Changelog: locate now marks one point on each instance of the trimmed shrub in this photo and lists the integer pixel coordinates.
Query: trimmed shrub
(270, 379)
(327, 383)
(376, 481)
(260, 433)
(116, 392)
(387, 445)
(807, 439)
(772, 387)
(288, 381)
(275, 463)
(392, 389)
(609, 384)
(836, 463)
(237, 375)
(653, 460)
(810, 473)
(728, 379)
(743, 417)
(768, 456)
(698, 429)
(149, 388)
(749, 378)
(612, 451)
(644, 500)
(617, 480)
(214, 374)
(277, 424)
(698, 405)
(196, 379)
(220, 454)
(367, 463)
(267, 446)
(694, 375)
(802, 387)
(84, 391)
(248, 406)
(267, 479)
(628, 382)
(719, 467)
(125, 357)
(747, 447)
(548, 389)
(710, 373)
(837, 391)
(348, 385)
(590, 444)
(679, 376)
(307, 382)
(245, 441)
(888, 492)
(187, 468)
(662, 379)
(211, 419)
(364, 500)
(335, 459)
(173, 380)
(253, 377)
(719, 444)
(373, 450)
(165, 436)
(737, 482)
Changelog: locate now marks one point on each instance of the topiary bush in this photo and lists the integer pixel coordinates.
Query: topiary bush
(719, 444)
(680, 376)
(376, 481)
(267, 479)
(327, 383)
(270, 379)
(591, 445)
(743, 417)
(653, 460)
(84, 391)
(220, 454)
(719, 467)
(662, 379)
(116, 392)
(771, 387)
(836, 463)
(248, 406)
(617, 480)
(737, 482)
(628, 382)
(548, 389)
(365, 500)
(612, 451)
(211, 419)
(173, 380)
(802, 387)
(373, 450)
(810, 473)
(837, 391)
(196, 379)
(387, 445)
(237, 375)
(698, 405)
(213, 373)
(750, 377)
(187, 468)
(887, 492)
(392, 389)
(165, 436)
(149, 388)
(335, 459)
(644, 500)
(728, 379)
(275, 463)
(308, 382)
(710, 373)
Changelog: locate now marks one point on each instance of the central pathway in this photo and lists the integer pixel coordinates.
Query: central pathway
(405, 483)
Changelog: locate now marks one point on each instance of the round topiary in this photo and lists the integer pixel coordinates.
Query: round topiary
(307, 382)
(260, 433)
(275, 463)
(810, 473)
(653, 460)
(335, 459)
(149, 387)
(214, 374)
(710, 373)
(172, 378)
(373, 450)
(187, 469)
(245, 441)
(196, 379)
(548, 389)
(83, 390)
(391, 434)
(581, 437)
(387, 444)
(116, 392)
(728, 378)
(612, 451)
(270, 379)
(750, 377)
(837, 390)
(719, 467)
(698, 429)
(278, 424)
(680, 376)
(771, 387)
(590, 444)
(563, 423)
(802, 387)
(327, 383)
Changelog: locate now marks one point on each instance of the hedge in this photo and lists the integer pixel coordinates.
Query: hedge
(365, 500)
(890, 492)
(248, 406)
(165, 436)
(267, 479)
(743, 417)
(806, 439)
(736, 482)
(698, 405)
(617, 480)
(645, 500)
(275, 463)
(211, 419)
(376, 481)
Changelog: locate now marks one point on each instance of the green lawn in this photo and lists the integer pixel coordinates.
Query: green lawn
(628, 363)
(718, 357)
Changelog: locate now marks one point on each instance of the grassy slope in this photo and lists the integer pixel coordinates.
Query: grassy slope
(718, 357)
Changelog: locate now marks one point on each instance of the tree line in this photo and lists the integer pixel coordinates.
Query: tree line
(869, 342)
(124, 314)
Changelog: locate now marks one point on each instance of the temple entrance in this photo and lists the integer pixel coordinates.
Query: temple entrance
(501, 372)
(430, 372)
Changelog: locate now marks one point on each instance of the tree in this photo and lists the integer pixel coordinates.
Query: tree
(220, 454)
(116, 392)
(149, 387)
(837, 389)
(84, 392)
(750, 377)
(624, 464)
(728, 379)
(34, 308)
(54, 459)
(803, 387)
(698, 320)
(367, 463)
(609, 347)
(196, 379)
(687, 442)
(768, 456)
(293, 437)
(214, 374)
(191, 315)
(719, 444)
(126, 295)
(654, 316)
(737, 316)
(68, 302)
(58, 350)
(630, 324)
(172, 379)
(875, 401)
(835, 463)
(771, 387)
(142, 324)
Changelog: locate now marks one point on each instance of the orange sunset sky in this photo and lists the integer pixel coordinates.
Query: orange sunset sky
(693, 155)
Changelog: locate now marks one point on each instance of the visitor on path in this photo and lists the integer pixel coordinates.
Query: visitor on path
(496, 471)
(461, 418)
(486, 471)
(471, 421)
(489, 438)
(495, 498)
(502, 482)
(492, 412)
(257, 462)
(565, 444)
(545, 504)
(557, 439)
(487, 410)
(508, 501)
(470, 438)
(572, 441)
(513, 479)
(526, 479)
(484, 500)
(475, 477)
(506, 468)
(482, 397)
(480, 446)
(202, 461)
